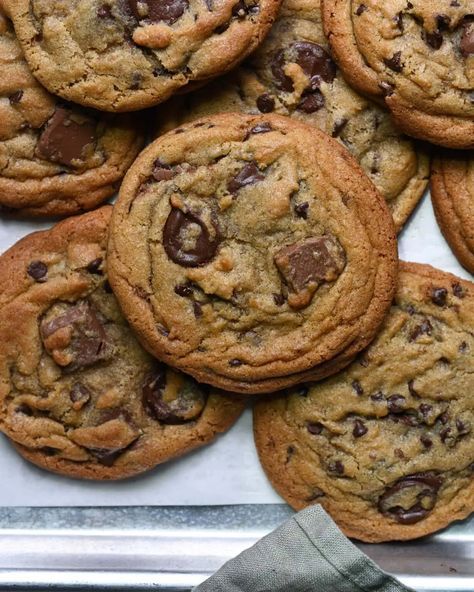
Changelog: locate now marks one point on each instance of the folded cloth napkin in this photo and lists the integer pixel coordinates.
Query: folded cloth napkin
(308, 553)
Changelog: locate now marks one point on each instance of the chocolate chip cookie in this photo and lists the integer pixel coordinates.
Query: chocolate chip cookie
(251, 252)
(292, 73)
(452, 193)
(123, 55)
(387, 445)
(55, 158)
(417, 56)
(78, 394)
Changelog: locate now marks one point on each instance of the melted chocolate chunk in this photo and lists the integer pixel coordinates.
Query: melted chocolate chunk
(307, 264)
(188, 241)
(312, 102)
(411, 498)
(438, 296)
(105, 456)
(360, 429)
(395, 62)
(75, 338)
(38, 271)
(248, 175)
(172, 398)
(155, 11)
(265, 103)
(313, 59)
(467, 40)
(66, 137)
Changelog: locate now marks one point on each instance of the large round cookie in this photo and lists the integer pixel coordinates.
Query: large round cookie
(123, 55)
(417, 56)
(452, 193)
(387, 445)
(55, 158)
(251, 252)
(292, 73)
(78, 394)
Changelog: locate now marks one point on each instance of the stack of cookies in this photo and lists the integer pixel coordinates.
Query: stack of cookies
(252, 249)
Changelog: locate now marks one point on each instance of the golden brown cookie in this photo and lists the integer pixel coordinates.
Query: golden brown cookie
(55, 158)
(387, 445)
(78, 395)
(418, 57)
(124, 55)
(452, 193)
(251, 252)
(292, 73)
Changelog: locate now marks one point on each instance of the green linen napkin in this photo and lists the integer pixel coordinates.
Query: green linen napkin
(308, 553)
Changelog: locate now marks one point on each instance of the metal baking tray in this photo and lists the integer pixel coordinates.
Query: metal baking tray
(176, 548)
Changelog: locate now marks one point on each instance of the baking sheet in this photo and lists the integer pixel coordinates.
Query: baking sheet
(226, 472)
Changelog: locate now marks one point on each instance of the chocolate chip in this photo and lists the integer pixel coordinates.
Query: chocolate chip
(104, 11)
(377, 397)
(94, 266)
(360, 9)
(357, 387)
(136, 81)
(302, 390)
(463, 427)
(425, 409)
(360, 429)
(289, 452)
(425, 328)
(49, 451)
(38, 271)
(463, 347)
(301, 210)
(444, 434)
(336, 467)
(411, 310)
(279, 299)
(179, 231)
(168, 11)
(396, 403)
(438, 296)
(24, 410)
(310, 103)
(444, 418)
(162, 171)
(433, 39)
(399, 21)
(260, 128)
(313, 59)
(307, 264)
(106, 456)
(458, 290)
(399, 453)
(184, 402)
(427, 442)
(183, 290)
(394, 63)
(16, 97)
(241, 9)
(339, 126)
(455, 3)
(235, 362)
(467, 40)
(265, 103)
(197, 310)
(316, 494)
(80, 394)
(66, 137)
(314, 428)
(248, 175)
(86, 341)
(386, 88)
(411, 388)
(418, 491)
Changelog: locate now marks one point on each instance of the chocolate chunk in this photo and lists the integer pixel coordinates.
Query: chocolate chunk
(302, 390)
(313, 59)
(467, 40)
(75, 338)
(172, 398)
(168, 11)
(427, 442)
(136, 81)
(377, 397)
(396, 403)
(360, 9)
(315, 494)
(162, 171)
(66, 137)
(241, 9)
(444, 434)
(463, 427)
(279, 299)
(458, 290)
(411, 498)
(301, 210)
(15, 97)
(24, 410)
(314, 428)
(394, 63)
(188, 241)
(248, 175)
(425, 328)
(386, 88)
(260, 128)
(197, 310)
(433, 39)
(425, 409)
(411, 388)
(104, 11)
(49, 451)
(183, 290)
(265, 103)
(79, 395)
(307, 264)
(360, 429)
(336, 467)
(235, 362)
(105, 456)
(357, 387)
(310, 103)
(463, 347)
(438, 296)
(399, 21)
(38, 271)
(339, 126)
(94, 266)
(444, 418)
